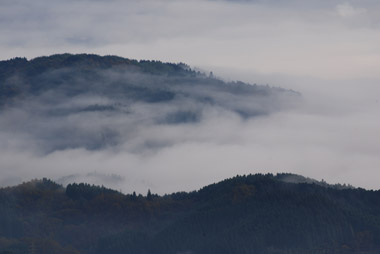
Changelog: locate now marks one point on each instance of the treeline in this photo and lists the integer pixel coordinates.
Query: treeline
(20, 77)
(244, 214)
(112, 76)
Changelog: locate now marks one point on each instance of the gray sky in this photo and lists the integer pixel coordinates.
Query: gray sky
(329, 39)
(327, 50)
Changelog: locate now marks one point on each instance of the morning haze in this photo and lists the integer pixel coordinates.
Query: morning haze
(326, 51)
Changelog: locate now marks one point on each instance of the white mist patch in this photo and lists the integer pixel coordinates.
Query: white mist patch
(322, 138)
(347, 10)
(132, 130)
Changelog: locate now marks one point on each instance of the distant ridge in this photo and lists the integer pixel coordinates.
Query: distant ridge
(18, 72)
(44, 63)
(89, 87)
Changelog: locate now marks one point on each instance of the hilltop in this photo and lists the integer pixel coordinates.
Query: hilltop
(88, 101)
(244, 214)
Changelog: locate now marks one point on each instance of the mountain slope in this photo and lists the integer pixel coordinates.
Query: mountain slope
(92, 102)
(244, 214)
(110, 75)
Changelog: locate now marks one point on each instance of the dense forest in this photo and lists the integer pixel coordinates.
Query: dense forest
(269, 214)
(105, 103)
(107, 99)
(115, 77)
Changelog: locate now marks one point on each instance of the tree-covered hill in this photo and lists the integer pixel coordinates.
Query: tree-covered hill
(19, 76)
(151, 81)
(88, 101)
(244, 214)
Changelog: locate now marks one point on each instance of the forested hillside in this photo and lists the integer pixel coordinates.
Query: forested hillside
(245, 214)
(88, 104)
(148, 81)
(107, 100)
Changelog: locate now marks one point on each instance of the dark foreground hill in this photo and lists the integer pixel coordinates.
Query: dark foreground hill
(245, 214)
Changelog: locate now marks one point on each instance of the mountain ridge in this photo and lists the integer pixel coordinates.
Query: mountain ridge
(126, 94)
(242, 214)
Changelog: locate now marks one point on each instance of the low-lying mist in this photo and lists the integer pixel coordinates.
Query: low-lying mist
(135, 130)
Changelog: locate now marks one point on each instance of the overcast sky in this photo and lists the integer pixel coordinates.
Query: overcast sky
(327, 50)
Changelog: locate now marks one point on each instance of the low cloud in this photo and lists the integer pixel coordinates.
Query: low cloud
(328, 133)
(128, 129)
(327, 50)
(347, 10)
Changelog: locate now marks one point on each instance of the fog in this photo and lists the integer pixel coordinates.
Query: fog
(127, 129)
(134, 145)
(328, 51)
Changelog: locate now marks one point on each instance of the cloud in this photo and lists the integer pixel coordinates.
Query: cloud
(126, 128)
(131, 146)
(327, 50)
(347, 10)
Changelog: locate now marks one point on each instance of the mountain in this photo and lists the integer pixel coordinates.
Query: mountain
(113, 76)
(244, 214)
(106, 100)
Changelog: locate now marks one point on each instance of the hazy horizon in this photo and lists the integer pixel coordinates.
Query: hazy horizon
(327, 51)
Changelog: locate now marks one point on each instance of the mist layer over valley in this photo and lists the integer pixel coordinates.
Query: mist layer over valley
(326, 50)
(243, 126)
(119, 122)
(137, 125)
